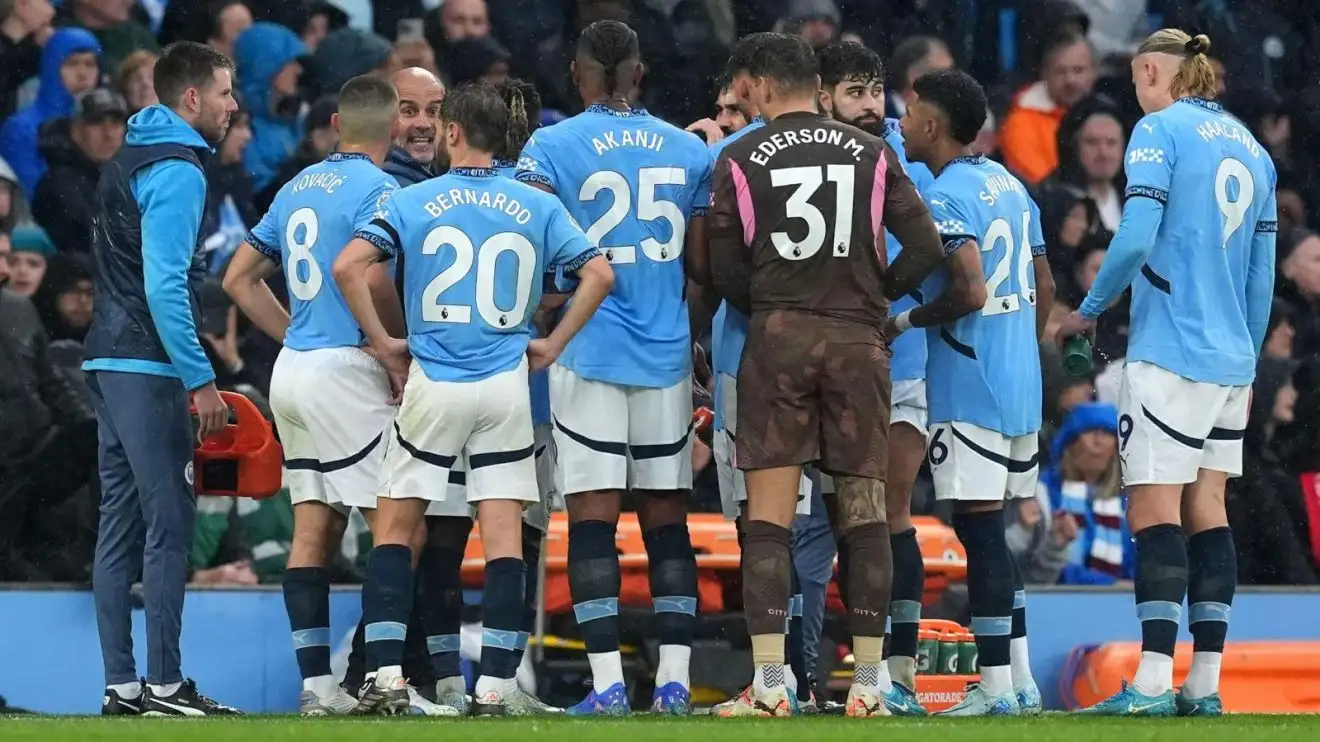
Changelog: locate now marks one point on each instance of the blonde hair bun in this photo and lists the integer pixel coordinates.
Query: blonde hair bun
(1198, 44)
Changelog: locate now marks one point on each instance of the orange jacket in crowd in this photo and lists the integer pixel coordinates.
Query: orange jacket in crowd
(1027, 139)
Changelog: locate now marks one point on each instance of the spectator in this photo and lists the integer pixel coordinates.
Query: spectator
(110, 22)
(64, 300)
(817, 21)
(1090, 143)
(65, 202)
(1299, 268)
(228, 20)
(1028, 139)
(133, 80)
(30, 248)
(1117, 28)
(914, 57)
(12, 207)
(230, 210)
(413, 50)
(68, 69)
(457, 20)
(321, 20)
(24, 27)
(480, 58)
(347, 53)
(1082, 485)
(47, 447)
(267, 57)
(316, 145)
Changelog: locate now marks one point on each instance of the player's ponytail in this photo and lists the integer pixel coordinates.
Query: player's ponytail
(1195, 76)
(518, 133)
(611, 44)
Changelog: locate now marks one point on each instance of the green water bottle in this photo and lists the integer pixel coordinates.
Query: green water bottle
(1077, 359)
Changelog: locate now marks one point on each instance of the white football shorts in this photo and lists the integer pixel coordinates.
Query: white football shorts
(486, 424)
(1170, 427)
(331, 411)
(968, 462)
(612, 437)
(908, 404)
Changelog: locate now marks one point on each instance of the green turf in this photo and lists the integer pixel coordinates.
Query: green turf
(820, 729)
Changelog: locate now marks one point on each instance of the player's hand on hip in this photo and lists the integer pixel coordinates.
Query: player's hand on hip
(394, 357)
(1073, 324)
(212, 412)
(541, 353)
(708, 129)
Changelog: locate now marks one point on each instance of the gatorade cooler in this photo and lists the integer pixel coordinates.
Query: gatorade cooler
(243, 459)
(946, 664)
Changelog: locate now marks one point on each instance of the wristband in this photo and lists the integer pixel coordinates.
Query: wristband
(903, 322)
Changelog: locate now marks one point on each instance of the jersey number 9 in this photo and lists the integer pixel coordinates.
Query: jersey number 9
(486, 256)
(649, 208)
(1233, 209)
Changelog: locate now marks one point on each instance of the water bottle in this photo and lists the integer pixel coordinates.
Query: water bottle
(1077, 359)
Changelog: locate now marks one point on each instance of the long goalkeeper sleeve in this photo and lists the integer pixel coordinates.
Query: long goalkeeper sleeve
(1127, 253)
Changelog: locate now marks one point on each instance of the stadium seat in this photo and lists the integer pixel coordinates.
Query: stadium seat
(243, 459)
(1258, 677)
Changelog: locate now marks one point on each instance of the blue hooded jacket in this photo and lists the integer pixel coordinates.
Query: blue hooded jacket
(171, 194)
(260, 53)
(18, 135)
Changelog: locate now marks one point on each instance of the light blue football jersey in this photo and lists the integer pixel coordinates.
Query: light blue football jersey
(633, 181)
(984, 369)
(1189, 308)
(477, 246)
(538, 382)
(728, 331)
(310, 221)
(909, 359)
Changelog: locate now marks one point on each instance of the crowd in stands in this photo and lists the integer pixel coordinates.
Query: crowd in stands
(73, 72)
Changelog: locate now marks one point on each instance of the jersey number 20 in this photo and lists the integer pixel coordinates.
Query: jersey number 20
(649, 208)
(485, 256)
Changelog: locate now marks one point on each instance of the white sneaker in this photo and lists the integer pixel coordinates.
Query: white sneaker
(340, 702)
(423, 707)
(865, 701)
(452, 692)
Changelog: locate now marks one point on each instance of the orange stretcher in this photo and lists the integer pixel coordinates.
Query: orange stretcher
(716, 543)
(1266, 677)
(243, 459)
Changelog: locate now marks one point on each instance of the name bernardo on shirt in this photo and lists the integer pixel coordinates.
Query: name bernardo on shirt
(785, 139)
(446, 200)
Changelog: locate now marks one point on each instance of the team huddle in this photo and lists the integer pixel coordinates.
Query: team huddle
(516, 334)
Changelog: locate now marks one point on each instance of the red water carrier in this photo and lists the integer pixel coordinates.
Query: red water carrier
(243, 459)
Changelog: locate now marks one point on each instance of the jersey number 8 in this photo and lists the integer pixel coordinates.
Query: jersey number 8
(1019, 254)
(649, 208)
(486, 256)
(300, 254)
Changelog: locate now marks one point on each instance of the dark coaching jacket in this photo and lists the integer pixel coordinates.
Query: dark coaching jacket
(151, 199)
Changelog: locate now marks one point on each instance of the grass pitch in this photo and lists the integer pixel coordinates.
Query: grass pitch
(1050, 728)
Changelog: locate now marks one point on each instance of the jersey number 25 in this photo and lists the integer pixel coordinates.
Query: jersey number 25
(649, 208)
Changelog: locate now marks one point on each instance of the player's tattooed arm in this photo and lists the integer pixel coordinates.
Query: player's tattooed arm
(730, 256)
(908, 219)
(245, 282)
(1044, 291)
(964, 291)
(859, 501)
